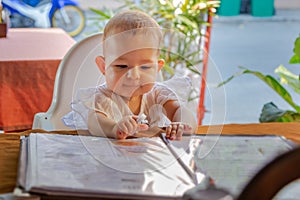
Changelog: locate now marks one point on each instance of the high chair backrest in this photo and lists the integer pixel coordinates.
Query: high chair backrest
(77, 70)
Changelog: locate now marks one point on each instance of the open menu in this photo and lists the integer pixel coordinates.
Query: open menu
(86, 166)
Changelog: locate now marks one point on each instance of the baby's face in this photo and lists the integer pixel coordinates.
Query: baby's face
(131, 66)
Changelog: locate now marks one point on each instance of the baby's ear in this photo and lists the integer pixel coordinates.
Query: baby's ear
(161, 63)
(100, 61)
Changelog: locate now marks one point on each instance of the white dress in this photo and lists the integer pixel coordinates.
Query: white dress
(114, 106)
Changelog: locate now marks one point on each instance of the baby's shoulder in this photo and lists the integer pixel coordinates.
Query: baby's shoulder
(178, 87)
(174, 84)
(160, 87)
(92, 92)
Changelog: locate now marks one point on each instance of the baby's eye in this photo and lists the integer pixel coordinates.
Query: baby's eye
(145, 67)
(121, 66)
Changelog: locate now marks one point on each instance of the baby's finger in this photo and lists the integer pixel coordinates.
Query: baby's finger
(179, 132)
(168, 131)
(131, 126)
(187, 129)
(173, 131)
(122, 128)
(134, 117)
(121, 135)
(173, 134)
(142, 127)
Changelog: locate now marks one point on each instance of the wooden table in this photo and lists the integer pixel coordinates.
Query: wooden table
(10, 143)
(29, 59)
(290, 130)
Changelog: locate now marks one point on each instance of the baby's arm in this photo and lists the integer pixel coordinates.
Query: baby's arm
(100, 125)
(183, 120)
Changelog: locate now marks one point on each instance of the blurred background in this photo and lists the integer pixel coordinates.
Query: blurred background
(258, 35)
(260, 40)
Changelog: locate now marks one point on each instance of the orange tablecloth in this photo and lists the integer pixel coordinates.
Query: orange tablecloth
(28, 62)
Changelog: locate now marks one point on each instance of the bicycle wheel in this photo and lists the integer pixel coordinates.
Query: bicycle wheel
(70, 18)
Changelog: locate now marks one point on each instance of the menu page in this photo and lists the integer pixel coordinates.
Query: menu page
(143, 166)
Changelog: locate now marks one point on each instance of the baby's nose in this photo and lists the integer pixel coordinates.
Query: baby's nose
(133, 73)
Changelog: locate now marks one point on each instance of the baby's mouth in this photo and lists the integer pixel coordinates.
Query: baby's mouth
(132, 86)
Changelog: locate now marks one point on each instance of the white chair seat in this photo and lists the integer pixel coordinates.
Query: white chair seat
(77, 70)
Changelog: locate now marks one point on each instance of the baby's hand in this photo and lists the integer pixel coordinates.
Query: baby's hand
(128, 126)
(176, 129)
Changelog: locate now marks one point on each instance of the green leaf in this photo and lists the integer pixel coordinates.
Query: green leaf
(169, 69)
(194, 70)
(187, 21)
(214, 3)
(271, 113)
(297, 47)
(230, 78)
(271, 82)
(288, 78)
(295, 59)
(101, 13)
(290, 116)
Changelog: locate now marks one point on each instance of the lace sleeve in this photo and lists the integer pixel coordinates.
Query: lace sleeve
(176, 88)
(83, 102)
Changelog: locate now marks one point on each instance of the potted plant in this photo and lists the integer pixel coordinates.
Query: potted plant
(270, 112)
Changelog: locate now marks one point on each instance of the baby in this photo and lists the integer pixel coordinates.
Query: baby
(130, 64)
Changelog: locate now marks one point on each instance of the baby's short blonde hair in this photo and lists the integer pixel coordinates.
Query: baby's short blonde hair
(133, 22)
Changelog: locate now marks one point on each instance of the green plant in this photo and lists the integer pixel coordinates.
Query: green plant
(182, 21)
(270, 112)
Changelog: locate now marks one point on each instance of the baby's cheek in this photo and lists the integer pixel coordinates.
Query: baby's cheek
(114, 83)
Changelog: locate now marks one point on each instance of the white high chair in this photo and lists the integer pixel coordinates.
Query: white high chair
(77, 70)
